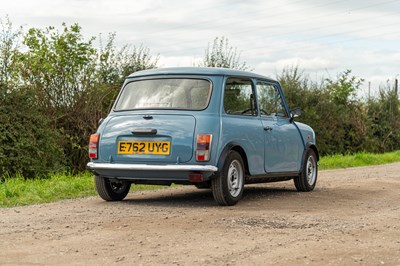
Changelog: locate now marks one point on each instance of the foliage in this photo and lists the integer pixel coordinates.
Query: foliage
(221, 54)
(115, 65)
(60, 69)
(344, 89)
(342, 123)
(385, 118)
(58, 66)
(28, 146)
(55, 89)
(74, 83)
(9, 53)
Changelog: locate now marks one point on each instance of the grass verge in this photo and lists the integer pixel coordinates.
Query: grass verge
(18, 192)
(358, 159)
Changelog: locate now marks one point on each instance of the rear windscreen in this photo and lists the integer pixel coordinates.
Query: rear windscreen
(172, 93)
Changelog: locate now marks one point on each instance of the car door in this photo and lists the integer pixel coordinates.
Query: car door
(240, 123)
(283, 146)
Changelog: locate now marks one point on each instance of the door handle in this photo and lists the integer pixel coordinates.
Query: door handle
(267, 128)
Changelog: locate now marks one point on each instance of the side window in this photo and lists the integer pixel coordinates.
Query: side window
(270, 100)
(239, 97)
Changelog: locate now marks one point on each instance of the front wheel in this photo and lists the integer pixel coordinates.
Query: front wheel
(228, 186)
(307, 179)
(111, 190)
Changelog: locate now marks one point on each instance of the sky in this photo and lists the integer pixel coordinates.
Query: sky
(323, 38)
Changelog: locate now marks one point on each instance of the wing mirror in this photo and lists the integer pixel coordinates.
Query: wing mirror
(294, 113)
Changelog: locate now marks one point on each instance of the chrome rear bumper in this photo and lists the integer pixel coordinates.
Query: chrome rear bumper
(151, 167)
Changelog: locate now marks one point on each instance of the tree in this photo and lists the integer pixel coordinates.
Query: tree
(344, 88)
(221, 54)
(75, 83)
(58, 66)
(385, 115)
(340, 121)
(9, 53)
(28, 145)
(116, 64)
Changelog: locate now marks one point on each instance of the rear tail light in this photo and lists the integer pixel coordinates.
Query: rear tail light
(93, 146)
(203, 147)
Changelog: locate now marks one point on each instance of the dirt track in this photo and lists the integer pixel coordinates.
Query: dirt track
(353, 217)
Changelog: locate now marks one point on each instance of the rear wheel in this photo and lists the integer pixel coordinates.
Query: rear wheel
(110, 189)
(307, 179)
(228, 186)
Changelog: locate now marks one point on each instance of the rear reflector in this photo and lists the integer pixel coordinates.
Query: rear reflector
(203, 147)
(196, 177)
(93, 146)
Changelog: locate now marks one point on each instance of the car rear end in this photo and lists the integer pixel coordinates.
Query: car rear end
(163, 129)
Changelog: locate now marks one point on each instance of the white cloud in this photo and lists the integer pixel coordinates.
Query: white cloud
(305, 64)
(318, 36)
(177, 61)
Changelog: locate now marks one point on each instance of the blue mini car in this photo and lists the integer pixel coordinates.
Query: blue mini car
(209, 127)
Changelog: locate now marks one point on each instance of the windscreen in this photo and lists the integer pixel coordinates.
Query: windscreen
(171, 93)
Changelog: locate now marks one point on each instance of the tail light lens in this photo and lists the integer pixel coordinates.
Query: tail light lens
(93, 146)
(203, 147)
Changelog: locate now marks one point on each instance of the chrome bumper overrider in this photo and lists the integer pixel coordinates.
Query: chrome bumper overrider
(151, 167)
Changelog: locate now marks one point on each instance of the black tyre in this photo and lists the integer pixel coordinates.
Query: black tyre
(228, 186)
(111, 190)
(307, 179)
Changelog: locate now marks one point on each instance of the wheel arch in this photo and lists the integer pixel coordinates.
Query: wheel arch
(312, 146)
(309, 146)
(232, 146)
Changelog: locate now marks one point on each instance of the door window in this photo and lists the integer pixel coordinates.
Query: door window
(270, 100)
(239, 97)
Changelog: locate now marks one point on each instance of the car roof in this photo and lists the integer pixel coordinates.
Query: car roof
(205, 71)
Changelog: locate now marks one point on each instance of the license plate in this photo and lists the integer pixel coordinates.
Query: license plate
(144, 147)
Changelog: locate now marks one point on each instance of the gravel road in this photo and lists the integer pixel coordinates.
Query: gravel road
(352, 218)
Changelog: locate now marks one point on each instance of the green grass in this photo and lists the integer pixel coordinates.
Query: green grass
(18, 192)
(358, 159)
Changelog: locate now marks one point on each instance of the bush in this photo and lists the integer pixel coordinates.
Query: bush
(76, 83)
(28, 145)
(342, 123)
(385, 118)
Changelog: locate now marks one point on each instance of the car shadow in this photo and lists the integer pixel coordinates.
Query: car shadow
(192, 197)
